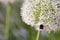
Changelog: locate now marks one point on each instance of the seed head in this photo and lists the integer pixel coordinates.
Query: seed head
(40, 14)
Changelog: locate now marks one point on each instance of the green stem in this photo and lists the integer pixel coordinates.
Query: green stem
(38, 34)
(7, 23)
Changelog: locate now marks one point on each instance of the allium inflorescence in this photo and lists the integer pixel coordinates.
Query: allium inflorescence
(37, 12)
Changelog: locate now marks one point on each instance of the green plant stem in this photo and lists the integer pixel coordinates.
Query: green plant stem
(7, 23)
(38, 34)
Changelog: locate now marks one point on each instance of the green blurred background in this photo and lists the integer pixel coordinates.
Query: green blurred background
(13, 28)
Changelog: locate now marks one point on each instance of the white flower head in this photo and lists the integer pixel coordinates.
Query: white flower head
(40, 13)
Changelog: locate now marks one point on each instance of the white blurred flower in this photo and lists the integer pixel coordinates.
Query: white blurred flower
(40, 12)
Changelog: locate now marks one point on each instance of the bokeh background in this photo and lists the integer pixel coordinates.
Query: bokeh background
(13, 28)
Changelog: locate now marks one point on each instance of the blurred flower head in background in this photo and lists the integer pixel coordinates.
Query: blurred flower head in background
(40, 12)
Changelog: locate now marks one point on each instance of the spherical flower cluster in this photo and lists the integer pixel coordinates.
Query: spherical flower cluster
(40, 14)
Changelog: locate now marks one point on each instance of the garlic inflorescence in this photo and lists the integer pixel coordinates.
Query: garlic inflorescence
(40, 13)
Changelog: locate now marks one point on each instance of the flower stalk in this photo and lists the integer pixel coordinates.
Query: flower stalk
(7, 23)
(38, 35)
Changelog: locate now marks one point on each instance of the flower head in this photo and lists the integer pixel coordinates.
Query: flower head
(40, 13)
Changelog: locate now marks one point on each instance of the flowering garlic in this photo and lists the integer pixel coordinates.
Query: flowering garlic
(40, 13)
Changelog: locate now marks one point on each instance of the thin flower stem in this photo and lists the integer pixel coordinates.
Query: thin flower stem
(7, 23)
(38, 34)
